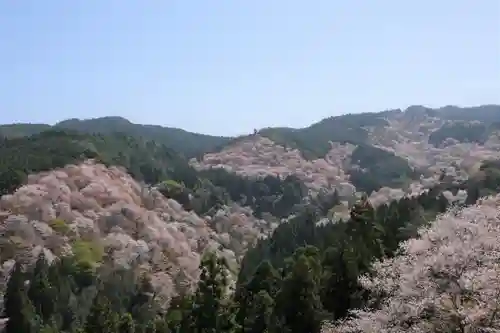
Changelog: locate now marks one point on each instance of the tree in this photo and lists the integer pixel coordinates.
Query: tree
(256, 299)
(101, 319)
(340, 288)
(211, 308)
(141, 305)
(298, 306)
(472, 195)
(447, 280)
(16, 304)
(42, 295)
(126, 324)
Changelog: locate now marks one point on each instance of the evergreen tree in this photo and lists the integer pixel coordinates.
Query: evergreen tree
(126, 324)
(101, 319)
(340, 287)
(141, 305)
(256, 294)
(42, 295)
(298, 306)
(16, 304)
(472, 195)
(210, 307)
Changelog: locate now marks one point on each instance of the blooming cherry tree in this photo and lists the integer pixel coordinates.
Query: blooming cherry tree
(446, 280)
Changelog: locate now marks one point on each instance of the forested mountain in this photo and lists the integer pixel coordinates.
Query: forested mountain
(109, 226)
(184, 142)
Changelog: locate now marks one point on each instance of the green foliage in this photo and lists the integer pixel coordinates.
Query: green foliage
(187, 143)
(483, 113)
(16, 304)
(303, 274)
(87, 251)
(59, 226)
(41, 293)
(298, 305)
(101, 319)
(463, 132)
(20, 130)
(145, 160)
(210, 304)
(44, 151)
(378, 168)
(204, 192)
(313, 141)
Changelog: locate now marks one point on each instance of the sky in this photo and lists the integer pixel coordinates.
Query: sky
(227, 67)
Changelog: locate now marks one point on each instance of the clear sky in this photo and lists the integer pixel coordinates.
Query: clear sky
(226, 67)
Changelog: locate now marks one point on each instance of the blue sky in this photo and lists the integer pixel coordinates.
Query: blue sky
(226, 67)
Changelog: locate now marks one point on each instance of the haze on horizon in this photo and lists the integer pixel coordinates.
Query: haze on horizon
(226, 68)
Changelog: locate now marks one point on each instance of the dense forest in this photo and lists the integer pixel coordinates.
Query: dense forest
(304, 274)
(150, 162)
(463, 132)
(378, 168)
(307, 272)
(312, 141)
(186, 143)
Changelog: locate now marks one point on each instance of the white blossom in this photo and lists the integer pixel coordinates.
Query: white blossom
(447, 280)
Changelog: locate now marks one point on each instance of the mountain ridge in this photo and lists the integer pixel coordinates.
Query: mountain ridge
(180, 137)
(124, 218)
(350, 152)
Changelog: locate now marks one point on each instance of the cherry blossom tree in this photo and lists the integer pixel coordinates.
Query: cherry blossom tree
(446, 280)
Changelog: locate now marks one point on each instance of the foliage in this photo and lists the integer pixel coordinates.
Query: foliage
(52, 149)
(313, 141)
(87, 251)
(204, 192)
(303, 275)
(20, 130)
(378, 168)
(483, 113)
(463, 132)
(184, 142)
(447, 280)
(48, 150)
(60, 226)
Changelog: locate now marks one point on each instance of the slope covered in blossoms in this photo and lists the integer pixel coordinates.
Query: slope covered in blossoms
(90, 206)
(396, 149)
(446, 280)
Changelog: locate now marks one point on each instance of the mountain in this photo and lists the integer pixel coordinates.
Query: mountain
(369, 151)
(187, 143)
(111, 226)
(312, 141)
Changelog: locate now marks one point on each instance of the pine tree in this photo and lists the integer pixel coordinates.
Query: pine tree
(210, 307)
(101, 319)
(16, 304)
(126, 324)
(364, 233)
(298, 306)
(339, 284)
(141, 305)
(256, 298)
(472, 195)
(41, 294)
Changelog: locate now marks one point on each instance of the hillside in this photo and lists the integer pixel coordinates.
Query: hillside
(274, 232)
(146, 160)
(187, 143)
(127, 255)
(313, 141)
(67, 210)
(369, 151)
